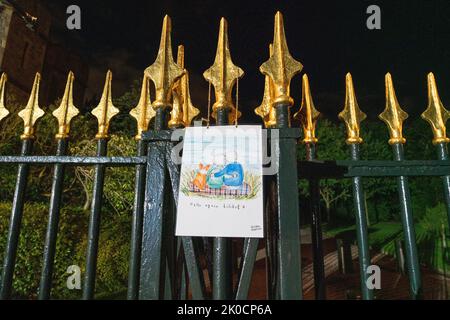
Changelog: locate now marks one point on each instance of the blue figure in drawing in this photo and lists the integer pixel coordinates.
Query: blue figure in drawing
(233, 175)
(213, 181)
(229, 175)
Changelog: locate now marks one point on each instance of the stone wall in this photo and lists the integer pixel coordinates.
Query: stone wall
(25, 48)
(5, 19)
(25, 51)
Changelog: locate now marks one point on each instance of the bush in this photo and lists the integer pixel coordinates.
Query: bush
(31, 243)
(113, 255)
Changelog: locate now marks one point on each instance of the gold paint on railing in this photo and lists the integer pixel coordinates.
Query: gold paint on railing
(281, 66)
(266, 109)
(105, 109)
(3, 111)
(393, 115)
(183, 111)
(164, 72)
(307, 114)
(352, 114)
(176, 114)
(223, 74)
(189, 110)
(436, 115)
(143, 112)
(66, 110)
(32, 112)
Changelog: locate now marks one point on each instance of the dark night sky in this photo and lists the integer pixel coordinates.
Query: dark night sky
(330, 38)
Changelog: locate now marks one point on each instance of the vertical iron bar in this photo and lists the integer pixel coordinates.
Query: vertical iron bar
(136, 226)
(271, 227)
(53, 222)
(246, 270)
(412, 260)
(151, 272)
(15, 223)
(443, 155)
(94, 223)
(191, 266)
(361, 227)
(289, 258)
(222, 262)
(316, 230)
(151, 260)
(168, 243)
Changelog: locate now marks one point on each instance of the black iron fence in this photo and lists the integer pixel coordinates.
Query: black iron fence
(164, 266)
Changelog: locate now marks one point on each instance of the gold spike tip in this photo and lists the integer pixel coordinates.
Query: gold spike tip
(436, 115)
(3, 111)
(281, 66)
(176, 114)
(189, 110)
(164, 71)
(351, 115)
(31, 113)
(105, 110)
(180, 56)
(307, 114)
(266, 110)
(223, 74)
(266, 105)
(183, 111)
(143, 112)
(393, 115)
(66, 110)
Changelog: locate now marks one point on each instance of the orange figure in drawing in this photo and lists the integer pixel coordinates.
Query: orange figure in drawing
(200, 177)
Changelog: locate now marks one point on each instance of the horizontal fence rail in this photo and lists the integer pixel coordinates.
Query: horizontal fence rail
(373, 168)
(75, 161)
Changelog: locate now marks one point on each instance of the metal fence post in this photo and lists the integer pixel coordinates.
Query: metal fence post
(280, 68)
(104, 112)
(352, 116)
(64, 115)
(394, 116)
(308, 116)
(30, 114)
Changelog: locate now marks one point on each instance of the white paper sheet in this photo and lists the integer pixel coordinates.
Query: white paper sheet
(221, 183)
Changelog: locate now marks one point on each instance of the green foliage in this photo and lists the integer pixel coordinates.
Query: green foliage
(430, 231)
(31, 243)
(336, 195)
(112, 266)
(71, 248)
(113, 254)
(119, 181)
(123, 123)
(434, 222)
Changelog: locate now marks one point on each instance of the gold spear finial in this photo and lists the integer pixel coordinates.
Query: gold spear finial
(281, 66)
(263, 110)
(176, 115)
(66, 110)
(266, 110)
(32, 112)
(3, 111)
(436, 115)
(307, 114)
(143, 112)
(164, 71)
(189, 110)
(393, 115)
(352, 114)
(105, 109)
(223, 74)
